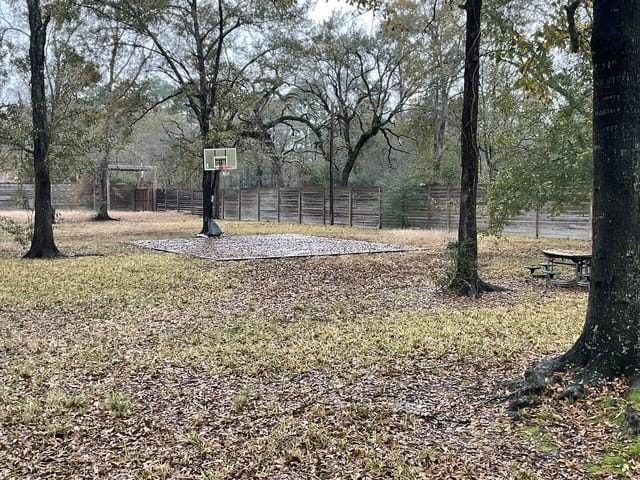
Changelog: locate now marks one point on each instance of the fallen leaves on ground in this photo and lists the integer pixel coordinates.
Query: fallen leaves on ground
(147, 365)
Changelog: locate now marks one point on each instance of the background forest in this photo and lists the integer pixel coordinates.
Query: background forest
(125, 81)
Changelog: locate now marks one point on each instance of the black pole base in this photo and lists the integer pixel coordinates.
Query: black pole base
(214, 229)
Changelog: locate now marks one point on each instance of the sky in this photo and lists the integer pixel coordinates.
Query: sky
(323, 9)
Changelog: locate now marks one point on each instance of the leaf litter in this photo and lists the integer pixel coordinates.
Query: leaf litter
(144, 365)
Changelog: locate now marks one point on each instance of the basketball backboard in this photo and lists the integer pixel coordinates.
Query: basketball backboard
(223, 159)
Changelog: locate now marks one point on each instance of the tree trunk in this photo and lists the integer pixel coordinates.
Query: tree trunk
(42, 243)
(103, 188)
(438, 145)
(466, 279)
(610, 342)
(441, 127)
(348, 167)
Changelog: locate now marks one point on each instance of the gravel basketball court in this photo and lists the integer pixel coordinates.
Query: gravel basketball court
(248, 247)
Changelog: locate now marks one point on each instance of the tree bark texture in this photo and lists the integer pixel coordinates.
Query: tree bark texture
(610, 342)
(42, 243)
(103, 188)
(466, 278)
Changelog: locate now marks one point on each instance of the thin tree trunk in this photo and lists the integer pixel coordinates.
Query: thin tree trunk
(466, 278)
(103, 188)
(438, 145)
(42, 243)
(610, 342)
(331, 180)
(441, 129)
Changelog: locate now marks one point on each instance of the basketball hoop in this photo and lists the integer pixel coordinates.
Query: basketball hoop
(220, 159)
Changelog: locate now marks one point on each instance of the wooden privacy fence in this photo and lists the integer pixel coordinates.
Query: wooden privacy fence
(64, 196)
(67, 196)
(432, 207)
(358, 207)
(437, 207)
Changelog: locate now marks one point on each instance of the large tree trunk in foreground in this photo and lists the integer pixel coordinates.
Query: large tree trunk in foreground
(465, 279)
(42, 243)
(610, 342)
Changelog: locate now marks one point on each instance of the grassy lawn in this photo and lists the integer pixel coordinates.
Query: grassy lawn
(147, 365)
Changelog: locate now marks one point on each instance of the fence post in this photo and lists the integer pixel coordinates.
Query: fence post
(258, 202)
(324, 206)
(300, 206)
(448, 208)
(239, 204)
(222, 201)
(537, 226)
(178, 199)
(166, 197)
(278, 205)
(193, 211)
(380, 207)
(351, 206)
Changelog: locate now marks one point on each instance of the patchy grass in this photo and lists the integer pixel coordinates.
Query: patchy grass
(138, 364)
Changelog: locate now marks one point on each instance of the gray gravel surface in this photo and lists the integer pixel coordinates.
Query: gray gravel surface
(247, 247)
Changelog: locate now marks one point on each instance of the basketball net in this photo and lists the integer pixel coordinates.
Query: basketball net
(225, 170)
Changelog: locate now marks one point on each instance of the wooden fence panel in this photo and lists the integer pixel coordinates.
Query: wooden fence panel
(196, 202)
(313, 206)
(63, 196)
(289, 205)
(268, 204)
(230, 203)
(365, 208)
(341, 206)
(249, 205)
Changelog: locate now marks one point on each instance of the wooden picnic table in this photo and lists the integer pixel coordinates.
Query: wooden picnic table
(580, 260)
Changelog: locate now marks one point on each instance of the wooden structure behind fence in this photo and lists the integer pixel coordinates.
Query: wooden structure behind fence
(358, 207)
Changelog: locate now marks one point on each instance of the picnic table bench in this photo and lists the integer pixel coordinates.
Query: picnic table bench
(581, 261)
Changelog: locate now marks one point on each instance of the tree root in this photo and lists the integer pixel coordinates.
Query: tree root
(476, 288)
(541, 377)
(105, 218)
(42, 254)
(538, 380)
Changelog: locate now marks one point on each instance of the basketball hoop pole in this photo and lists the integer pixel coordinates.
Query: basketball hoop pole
(213, 229)
(218, 160)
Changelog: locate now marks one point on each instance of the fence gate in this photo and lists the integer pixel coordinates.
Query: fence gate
(143, 200)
